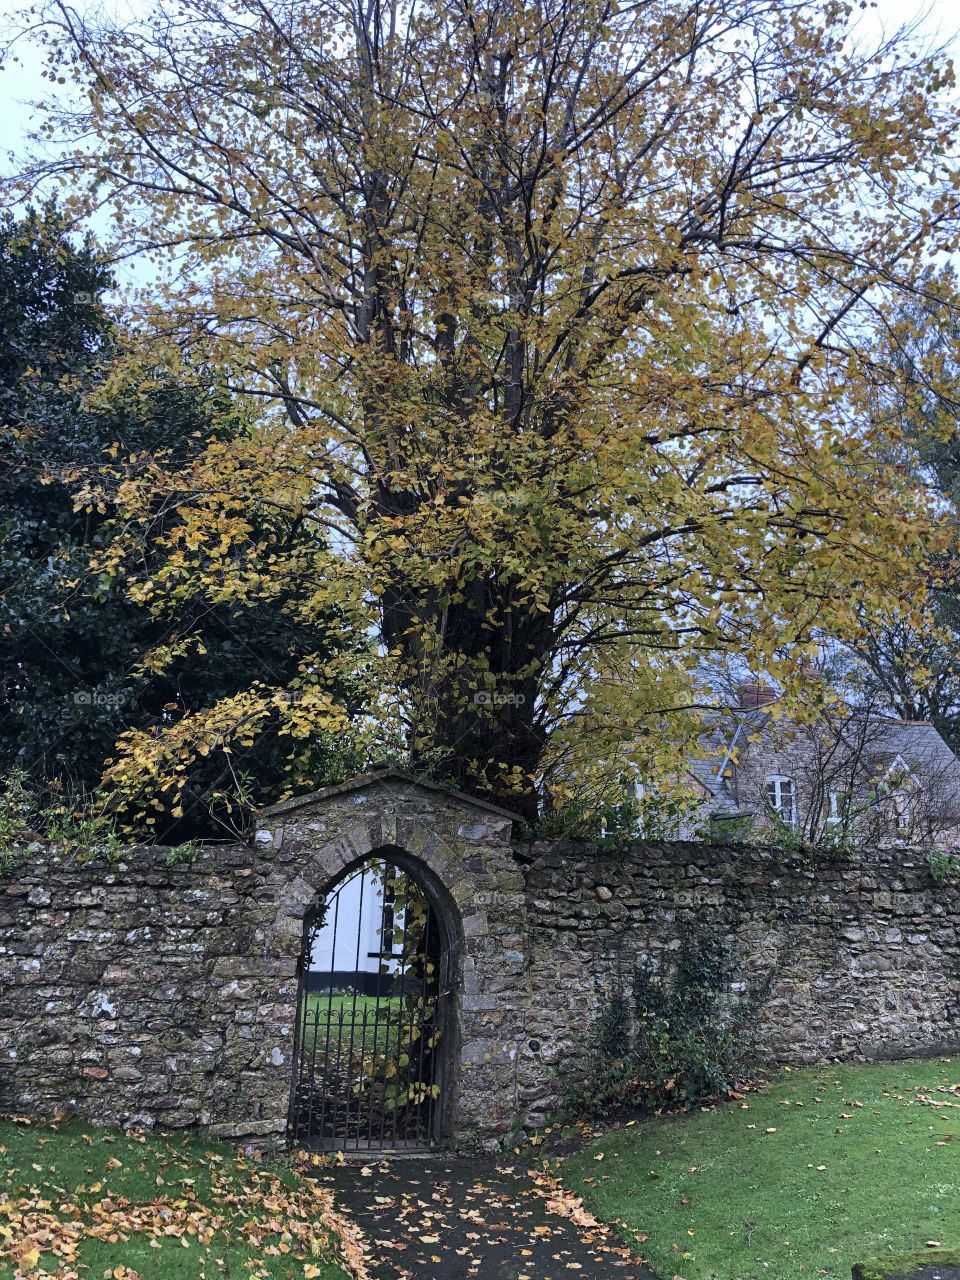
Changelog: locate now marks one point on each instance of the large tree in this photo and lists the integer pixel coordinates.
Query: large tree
(79, 657)
(564, 316)
(911, 662)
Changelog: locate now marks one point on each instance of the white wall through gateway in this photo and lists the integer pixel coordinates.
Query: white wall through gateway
(361, 929)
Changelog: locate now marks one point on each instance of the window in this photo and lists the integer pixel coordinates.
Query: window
(900, 807)
(896, 792)
(781, 799)
(835, 808)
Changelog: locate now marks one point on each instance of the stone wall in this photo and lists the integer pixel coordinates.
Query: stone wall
(143, 993)
(864, 949)
(146, 993)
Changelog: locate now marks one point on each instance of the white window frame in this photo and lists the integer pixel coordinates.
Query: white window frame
(774, 794)
(901, 807)
(835, 808)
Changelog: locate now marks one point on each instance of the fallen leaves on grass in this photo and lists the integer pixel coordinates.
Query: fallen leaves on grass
(255, 1207)
(925, 1098)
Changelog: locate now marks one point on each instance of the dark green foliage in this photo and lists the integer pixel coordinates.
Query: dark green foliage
(690, 1041)
(612, 1030)
(603, 1075)
(609, 824)
(71, 642)
(53, 331)
(723, 829)
(682, 1036)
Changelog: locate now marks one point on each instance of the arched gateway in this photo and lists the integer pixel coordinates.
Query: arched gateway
(158, 991)
(377, 1010)
(404, 920)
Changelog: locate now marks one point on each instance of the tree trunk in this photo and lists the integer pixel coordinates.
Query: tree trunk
(472, 671)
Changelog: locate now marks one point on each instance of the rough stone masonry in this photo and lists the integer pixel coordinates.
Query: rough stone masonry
(144, 993)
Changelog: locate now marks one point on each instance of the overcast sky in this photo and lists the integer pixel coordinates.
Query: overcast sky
(20, 81)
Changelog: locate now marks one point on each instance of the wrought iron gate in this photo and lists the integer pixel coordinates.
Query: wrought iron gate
(371, 1017)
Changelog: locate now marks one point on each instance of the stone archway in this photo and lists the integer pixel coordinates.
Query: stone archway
(461, 848)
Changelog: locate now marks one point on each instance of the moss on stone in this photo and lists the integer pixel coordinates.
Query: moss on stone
(904, 1265)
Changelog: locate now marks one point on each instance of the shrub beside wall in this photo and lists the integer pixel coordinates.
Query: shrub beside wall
(681, 1033)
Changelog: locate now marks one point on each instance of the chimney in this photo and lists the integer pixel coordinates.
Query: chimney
(753, 694)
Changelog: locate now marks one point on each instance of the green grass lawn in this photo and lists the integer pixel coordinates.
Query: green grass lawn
(823, 1168)
(92, 1202)
(372, 1022)
(346, 1002)
(355, 1026)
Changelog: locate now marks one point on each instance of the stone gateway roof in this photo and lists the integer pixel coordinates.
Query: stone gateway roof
(387, 777)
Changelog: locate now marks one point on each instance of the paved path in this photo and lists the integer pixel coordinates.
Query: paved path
(458, 1219)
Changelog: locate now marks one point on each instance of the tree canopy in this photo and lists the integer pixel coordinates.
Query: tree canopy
(79, 655)
(563, 320)
(913, 664)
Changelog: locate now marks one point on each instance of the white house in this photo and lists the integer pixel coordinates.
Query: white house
(357, 942)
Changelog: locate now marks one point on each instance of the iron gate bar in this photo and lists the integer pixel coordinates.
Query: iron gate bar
(380, 967)
(353, 1013)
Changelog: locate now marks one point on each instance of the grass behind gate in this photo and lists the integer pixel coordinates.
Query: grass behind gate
(346, 1026)
(373, 1022)
(821, 1169)
(95, 1202)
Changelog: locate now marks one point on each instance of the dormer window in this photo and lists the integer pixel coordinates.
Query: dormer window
(835, 807)
(900, 806)
(781, 799)
(897, 790)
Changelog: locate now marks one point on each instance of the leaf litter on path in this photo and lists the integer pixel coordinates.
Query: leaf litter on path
(460, 1219)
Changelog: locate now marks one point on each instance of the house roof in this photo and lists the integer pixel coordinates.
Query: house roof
(361, 780)
(707, 774)
(916, 742)
(723, 737)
